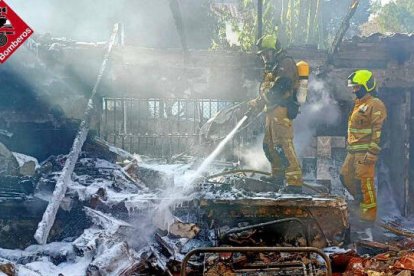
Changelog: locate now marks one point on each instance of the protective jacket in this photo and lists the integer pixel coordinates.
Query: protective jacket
(364, 125)
(278, 100)
(364, 133)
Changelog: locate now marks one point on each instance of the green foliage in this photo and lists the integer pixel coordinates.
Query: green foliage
(297, 22)
(396, 16)
(244, 25)
(245, 29)
(293, 21)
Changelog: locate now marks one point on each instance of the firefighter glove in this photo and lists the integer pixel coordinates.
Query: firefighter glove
(292, 109)
(252, 103)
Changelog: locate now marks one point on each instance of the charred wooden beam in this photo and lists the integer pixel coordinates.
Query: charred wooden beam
(116, 260)
(88, 241)
(7, 267)
(49, 216)
(160, 261)
(342, 30)
(153, 178)
(178, 19)
(170, 248)
(110, 224)
(259, 19)
(396, 230)
(184, 230)
(374, 248)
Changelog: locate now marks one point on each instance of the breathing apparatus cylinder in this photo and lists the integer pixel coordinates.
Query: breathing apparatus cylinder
(303, 72)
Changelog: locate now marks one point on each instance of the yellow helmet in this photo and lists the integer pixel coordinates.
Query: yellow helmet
(269, 42)
(363, 78)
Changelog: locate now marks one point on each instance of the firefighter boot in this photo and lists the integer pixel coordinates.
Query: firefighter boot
(277, 181)
(365, 229)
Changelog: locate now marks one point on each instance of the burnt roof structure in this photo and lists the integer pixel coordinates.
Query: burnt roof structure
(136, 72)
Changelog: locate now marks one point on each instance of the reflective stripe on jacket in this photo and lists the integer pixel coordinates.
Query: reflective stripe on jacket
(365, 123)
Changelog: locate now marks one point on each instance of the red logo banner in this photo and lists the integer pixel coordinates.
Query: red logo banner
(13, 31)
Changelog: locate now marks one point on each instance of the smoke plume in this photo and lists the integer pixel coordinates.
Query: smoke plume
(254, 157)
(321, 109)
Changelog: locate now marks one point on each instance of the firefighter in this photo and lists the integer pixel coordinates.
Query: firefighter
(364, 133)
(277, 98)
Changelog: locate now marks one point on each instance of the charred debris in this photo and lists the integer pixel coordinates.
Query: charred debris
(128, 214)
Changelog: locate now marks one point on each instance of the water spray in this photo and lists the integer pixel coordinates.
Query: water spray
(176, 195)
(219, 148)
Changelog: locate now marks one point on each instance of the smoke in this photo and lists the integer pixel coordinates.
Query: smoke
(178, 190)
(64, 80)
(80, 20)
(254, 157)
(147, 23)
(159, 215)
(321, 109)
(144, 230)
(384, 2)
(388, 206)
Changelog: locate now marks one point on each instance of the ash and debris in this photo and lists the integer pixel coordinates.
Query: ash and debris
(132, 215)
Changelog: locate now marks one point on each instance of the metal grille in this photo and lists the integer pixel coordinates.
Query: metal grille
(156, 127)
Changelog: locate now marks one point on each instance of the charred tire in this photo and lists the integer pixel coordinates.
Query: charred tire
(3, 40)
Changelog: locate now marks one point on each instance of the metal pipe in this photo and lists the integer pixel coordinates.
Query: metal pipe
(187, 257)
(273, 267)
(241, 229)
(274, 264)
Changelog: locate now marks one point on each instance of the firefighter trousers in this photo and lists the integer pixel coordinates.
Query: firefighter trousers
(279, 149)
(358, 177)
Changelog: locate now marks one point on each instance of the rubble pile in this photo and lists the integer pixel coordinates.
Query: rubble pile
(270, 263)
(89, 233)
(394, 258)
(110, 223)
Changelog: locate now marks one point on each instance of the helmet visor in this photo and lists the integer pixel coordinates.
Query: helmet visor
(351, 83)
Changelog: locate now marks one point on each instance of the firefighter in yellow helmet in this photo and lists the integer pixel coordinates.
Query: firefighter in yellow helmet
(277, 98)
(364, 133)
